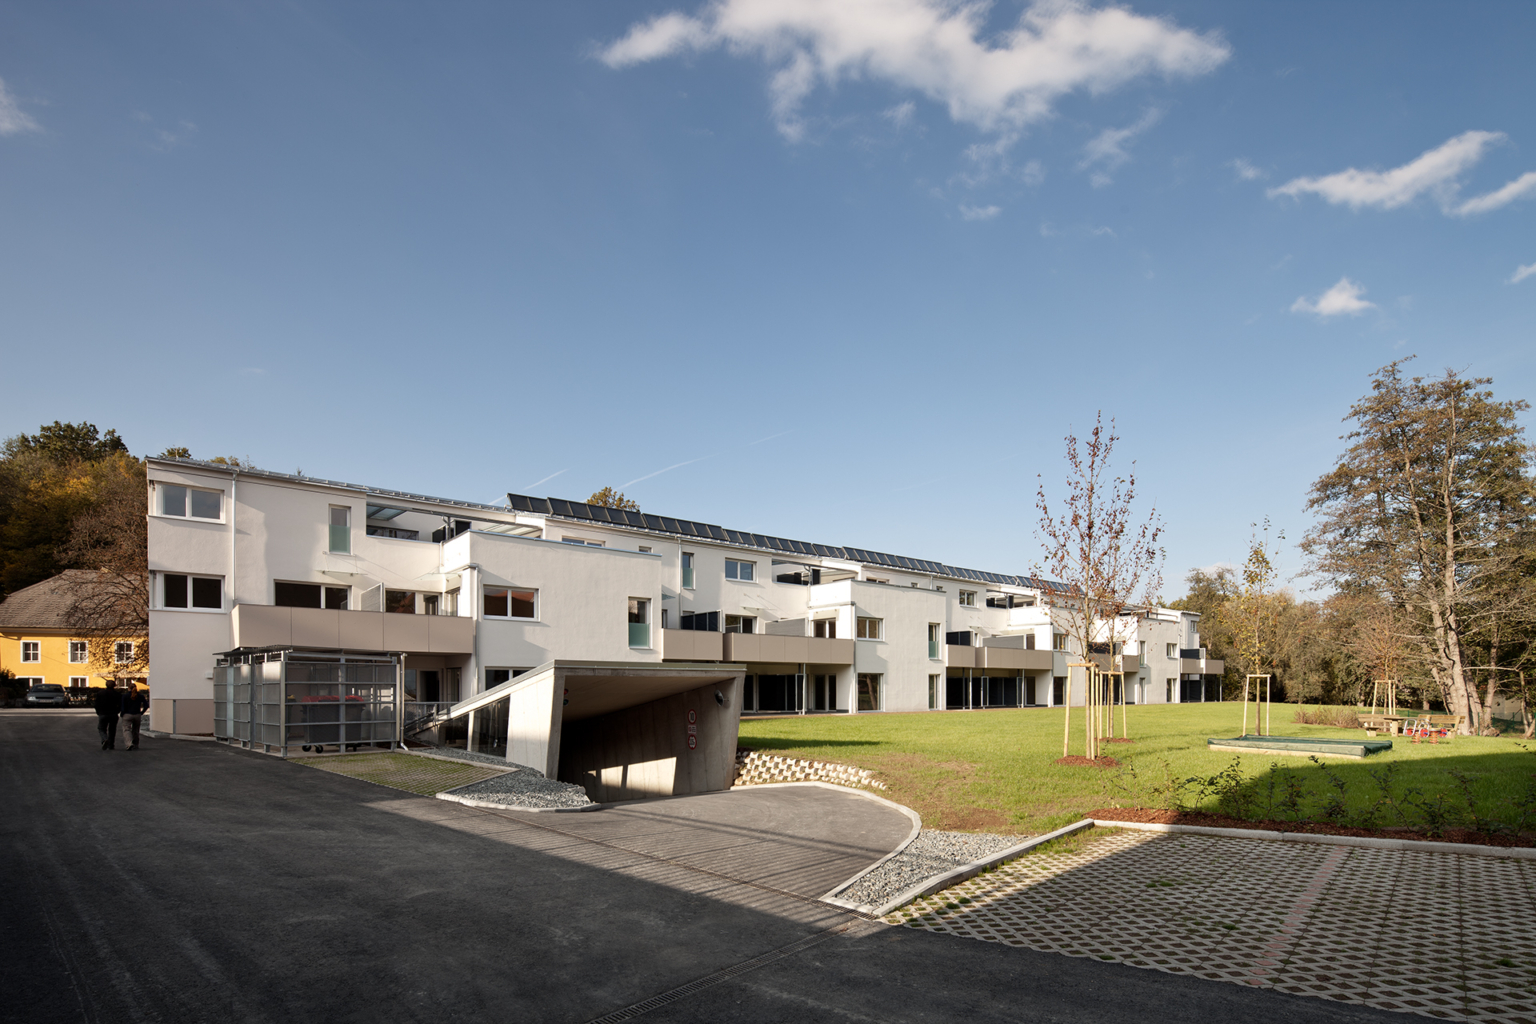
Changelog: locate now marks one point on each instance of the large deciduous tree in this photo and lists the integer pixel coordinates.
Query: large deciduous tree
(1426, 507)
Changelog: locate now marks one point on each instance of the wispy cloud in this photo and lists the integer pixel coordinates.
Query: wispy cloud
(979, 212)
(1343, 299)
(999, 82)
(14, 120)
(1032, 173)
(540, 483)
(1521, 273)
(901, 114)
(1245, 171)
(1106, 151)
(1435, 172)
(675, 465)
(165, 138)
(771, 437)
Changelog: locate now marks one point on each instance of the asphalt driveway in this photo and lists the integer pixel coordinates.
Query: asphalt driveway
(188, 882)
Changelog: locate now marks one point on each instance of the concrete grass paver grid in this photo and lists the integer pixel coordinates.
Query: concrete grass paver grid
(1442, 935)
(423, 776)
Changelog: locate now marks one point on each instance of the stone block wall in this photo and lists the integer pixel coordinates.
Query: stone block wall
(754, 767)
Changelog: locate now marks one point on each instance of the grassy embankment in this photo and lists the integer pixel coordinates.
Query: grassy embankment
(994, 771)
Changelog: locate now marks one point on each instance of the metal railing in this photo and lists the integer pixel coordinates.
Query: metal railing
(424, 714)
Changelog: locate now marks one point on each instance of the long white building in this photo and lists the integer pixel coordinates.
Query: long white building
(474, 595)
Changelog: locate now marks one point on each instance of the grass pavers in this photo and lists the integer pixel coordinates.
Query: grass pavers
(424, 776)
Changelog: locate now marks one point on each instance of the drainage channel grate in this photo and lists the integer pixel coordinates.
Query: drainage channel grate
(423, 776)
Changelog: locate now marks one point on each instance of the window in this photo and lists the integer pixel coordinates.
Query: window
(701, 622)
(868, 629)
(308, 595)
(31, 652)
(871, 579)
(933, 641)
(341, 530)
(79, 681)
(509, 603)
(79, 652)
(1029, 641)
(1059, 691)
(688, 570)
(430, 604)
(191, 502)
(496, 676)
(1173, 650)
(826, 628)
(1058, 641)
(639, 622)
(968, 598)
(581, 541)
(122, 652)
(869, 691)
(644, 550)
(740, 624)
(737, 570)
(451, 602)
(933, 693)
(663, 618)
(401, 602)
(1168, 696)
(182, 591)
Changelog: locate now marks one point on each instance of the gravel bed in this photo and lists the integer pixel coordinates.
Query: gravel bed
(521, 786)
(931, 853)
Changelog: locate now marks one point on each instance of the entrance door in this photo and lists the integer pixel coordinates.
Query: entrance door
(428, 685)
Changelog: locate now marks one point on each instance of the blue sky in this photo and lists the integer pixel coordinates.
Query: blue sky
(842, 272)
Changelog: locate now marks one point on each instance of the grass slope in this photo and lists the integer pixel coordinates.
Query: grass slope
(994, 771)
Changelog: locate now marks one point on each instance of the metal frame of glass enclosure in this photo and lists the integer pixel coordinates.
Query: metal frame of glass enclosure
(274, 698)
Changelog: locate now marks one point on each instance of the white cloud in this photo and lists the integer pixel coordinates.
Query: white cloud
(1521, 273)
(999, 84)
(901, 114)
(1245, 170)
(1518, 189)
(1342, 298)
(979, 212)
(1433, 171)
(14, 120)
(1107, 149)
(1033, 173)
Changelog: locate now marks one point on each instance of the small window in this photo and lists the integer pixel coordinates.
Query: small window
(79, 681)
(510, 603)
(968, 598)
(1173, 650)
(644, 550)
(31, 652)
(1168, 694)
(871, 579)
(933, 640)
(122, 652)
(826, 628)
(451, 602)
(401, 602)
(336, 598)
(496, 676)
(869, 691)
(191, 502)
(738, 570)
(431, 604)
(933, 693)
(182, 591)
(639, 622)
(341, 530)
(868, 629)
(1058, 641)
(687, 570)
(1029, 641)
(581, 541)
(79, 652)
(740, 624)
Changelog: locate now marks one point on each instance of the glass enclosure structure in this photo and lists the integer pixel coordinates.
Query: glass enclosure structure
(277, 699)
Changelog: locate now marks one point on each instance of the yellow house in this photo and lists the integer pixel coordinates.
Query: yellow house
(37, 646)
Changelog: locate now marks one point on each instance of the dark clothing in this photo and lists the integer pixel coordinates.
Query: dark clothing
(131, 729)
(109, 702)
(107, 726)
(135, 703)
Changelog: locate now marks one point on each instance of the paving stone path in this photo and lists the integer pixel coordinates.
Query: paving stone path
(1443, 935)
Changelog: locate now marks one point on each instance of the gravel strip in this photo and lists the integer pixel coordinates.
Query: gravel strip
(521, 786)
(931, 853)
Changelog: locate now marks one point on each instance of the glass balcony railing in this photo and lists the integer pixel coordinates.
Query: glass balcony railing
(639, 634)
(687, 577)
(341, 539)
(933, 648)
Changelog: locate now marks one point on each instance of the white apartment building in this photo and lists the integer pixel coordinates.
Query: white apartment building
(473, 596)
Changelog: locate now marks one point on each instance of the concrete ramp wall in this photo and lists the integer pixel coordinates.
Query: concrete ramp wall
(533, 723)
(644, 751)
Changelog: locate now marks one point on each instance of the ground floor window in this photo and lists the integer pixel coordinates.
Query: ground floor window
(933, 693)
(824, 693)
(1059, 691)
(869, 691)
(79, 681)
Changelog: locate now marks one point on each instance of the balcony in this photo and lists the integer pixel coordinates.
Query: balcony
(692, 645)
(260, 625)
(1010, 657)
(790, 650)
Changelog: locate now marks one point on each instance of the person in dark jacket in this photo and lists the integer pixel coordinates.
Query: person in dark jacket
(109, 704)
(135, 703)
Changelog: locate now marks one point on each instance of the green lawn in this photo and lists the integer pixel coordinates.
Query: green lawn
(994, 771)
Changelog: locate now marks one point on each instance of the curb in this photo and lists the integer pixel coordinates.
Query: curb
(157, 734)
(491, 805)
(968, 871)
(1362, 842)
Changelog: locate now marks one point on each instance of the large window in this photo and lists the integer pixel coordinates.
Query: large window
(688, 570)
(933, 640)
(741, 624)
(341, 530)
(308, 595)
(182, 591)
(826, 628)
(510, 603)
(639, 622)
(968, 598)
(868, 629)
(122, 652)
(191, 502)
(869, 691)
(31, 652)
(79, 652)
(401, 602)
(738, 570)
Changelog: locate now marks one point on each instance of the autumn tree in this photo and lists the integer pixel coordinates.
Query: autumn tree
(1096, 546)
(610, 498)
(1426, 507)
(108, 550)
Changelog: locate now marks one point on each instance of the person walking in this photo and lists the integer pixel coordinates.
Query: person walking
(135, 703)
(109, 704)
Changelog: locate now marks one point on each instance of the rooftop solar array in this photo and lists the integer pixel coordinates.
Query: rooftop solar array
(706, 531)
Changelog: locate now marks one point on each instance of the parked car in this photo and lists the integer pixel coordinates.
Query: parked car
(47, 695)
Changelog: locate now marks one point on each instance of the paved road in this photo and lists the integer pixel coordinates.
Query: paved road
(190, 882)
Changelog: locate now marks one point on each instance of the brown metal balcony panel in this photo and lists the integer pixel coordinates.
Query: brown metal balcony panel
(1215, 666)
(1013, 658)
(691, 645)
(827, 651)
(956, 656)
(759, 647)
(258, 625)
(1190, 667)
(450, 634)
